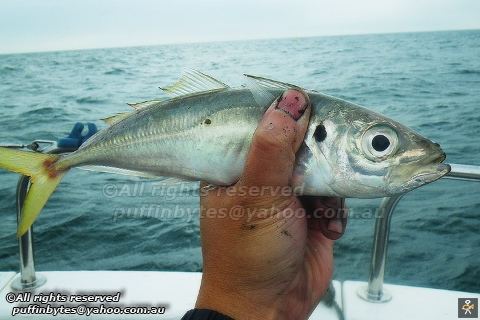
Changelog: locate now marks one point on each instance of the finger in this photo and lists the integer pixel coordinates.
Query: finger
(328, 215)
(278, 137)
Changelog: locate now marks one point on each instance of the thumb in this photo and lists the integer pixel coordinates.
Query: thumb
(278, 137)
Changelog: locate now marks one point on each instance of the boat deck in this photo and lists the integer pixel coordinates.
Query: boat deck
(177, 292)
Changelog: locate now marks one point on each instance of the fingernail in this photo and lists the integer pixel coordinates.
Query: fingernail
(335, 225)
(293, 102)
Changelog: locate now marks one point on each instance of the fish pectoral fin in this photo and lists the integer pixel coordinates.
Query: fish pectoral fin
(271, 84)
(146, 104)
(116, 118)
(193, 81)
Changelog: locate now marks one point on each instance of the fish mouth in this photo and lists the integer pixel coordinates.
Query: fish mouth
(439, 158)
(420, 172)
(432, 169)
(432, 173)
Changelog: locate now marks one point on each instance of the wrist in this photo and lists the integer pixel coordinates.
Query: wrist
(235, 304)
(204, 314)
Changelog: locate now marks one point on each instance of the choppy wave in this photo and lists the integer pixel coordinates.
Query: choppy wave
(8, 69)
(89, 100)
(39, 112)
(469, 71)
(115, 71)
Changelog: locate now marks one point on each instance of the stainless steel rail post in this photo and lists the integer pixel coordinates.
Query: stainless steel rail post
(374, 291)
(28, 279)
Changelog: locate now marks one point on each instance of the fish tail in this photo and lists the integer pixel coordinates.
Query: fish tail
(44, 179)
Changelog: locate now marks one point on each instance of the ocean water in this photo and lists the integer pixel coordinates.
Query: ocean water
(428, 81)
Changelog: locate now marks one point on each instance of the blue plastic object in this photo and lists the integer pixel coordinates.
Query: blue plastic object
(75, 139)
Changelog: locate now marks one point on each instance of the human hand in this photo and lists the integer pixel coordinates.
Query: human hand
(268, 254)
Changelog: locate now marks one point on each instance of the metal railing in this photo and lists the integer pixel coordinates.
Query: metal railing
(28, 278)
(374, 291)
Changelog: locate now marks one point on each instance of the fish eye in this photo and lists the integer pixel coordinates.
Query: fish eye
(379, 142)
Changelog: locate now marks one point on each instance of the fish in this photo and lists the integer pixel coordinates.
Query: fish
(203, 132)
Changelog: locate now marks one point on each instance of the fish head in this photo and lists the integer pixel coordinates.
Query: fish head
(354, 152)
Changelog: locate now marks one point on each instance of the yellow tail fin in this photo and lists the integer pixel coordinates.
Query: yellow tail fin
(44, 179)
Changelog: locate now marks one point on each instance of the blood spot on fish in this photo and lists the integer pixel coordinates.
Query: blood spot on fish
(52, 174)
(208, 121)
(320, 133)
(297, 98)
(47, 163)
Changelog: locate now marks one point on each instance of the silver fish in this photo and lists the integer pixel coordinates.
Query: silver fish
(204, 133)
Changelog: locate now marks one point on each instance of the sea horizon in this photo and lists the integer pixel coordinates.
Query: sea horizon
(238, 40)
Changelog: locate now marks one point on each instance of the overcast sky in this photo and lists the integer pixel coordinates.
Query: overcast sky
(44, 25)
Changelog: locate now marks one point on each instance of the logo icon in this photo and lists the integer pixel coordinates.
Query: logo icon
(468, 308)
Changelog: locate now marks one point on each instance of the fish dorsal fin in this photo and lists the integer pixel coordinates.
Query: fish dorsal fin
(260, 94)
(116, 118)
(269, 83)
(145, 104)
(193, 81)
